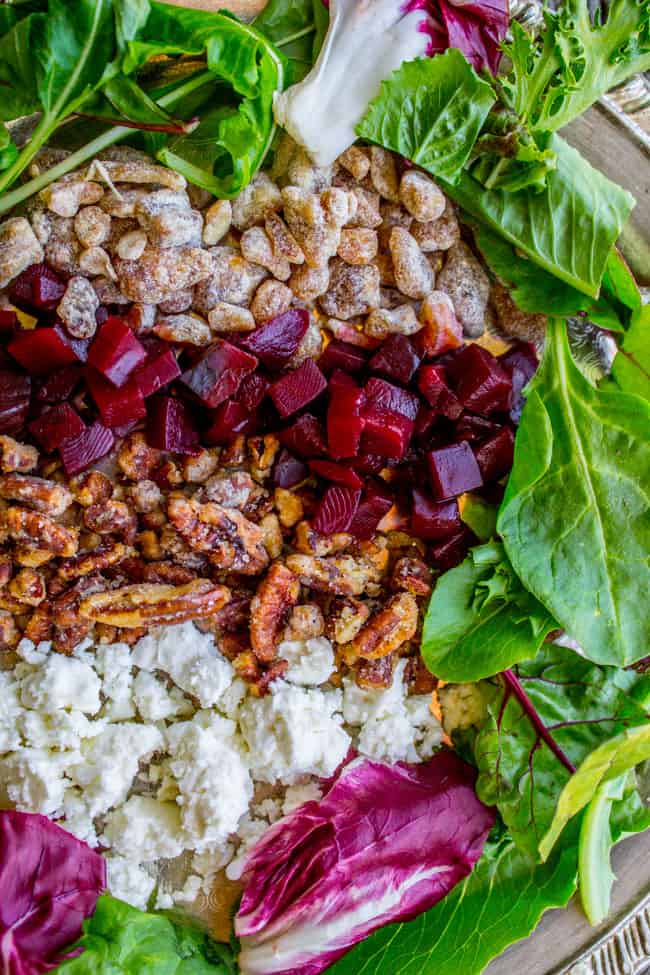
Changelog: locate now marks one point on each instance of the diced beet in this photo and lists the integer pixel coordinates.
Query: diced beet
(521, 364)
(304, 437)
(37, 290)
(42, 350)
(494, 456)
(169, 426)
(115, 351)
(453, 470)
(368, 463)
(493, 492)
(60, 385)
(384, 395)
(386, 433)
(91, 445)
(432, 520)
(376, 502)
(253, 391)
(450, 553)
(472, 428)
(218, 372)
(336, 510)
(8, 321)
(15, 394)
(274, 342)
(158, 370)
(482, 383)
(80, 347)
(345, 423)
(342, 355)
(117, 406)
(231, 419)
(288, 470)
(340, 378)
(395, 358)
(56, 425)
(338, 473)
(101, 314)
(297, 389)
(441, 332)
(432, 383)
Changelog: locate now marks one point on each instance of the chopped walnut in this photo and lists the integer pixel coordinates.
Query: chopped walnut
(255, 201)
(177, 303)
(63, 249)
(111, 518)
(28, 586)
(392, 215)
(285, 245)
(231, 541)
(183, 329)
(232, 490)
(15, 456)
(352, 291)
(421, 197)
(388, 629)
(467, 284)
(316, 228)
(91, 487)
(136, 459)
(19, 247)
(358, 245)
(356, 161)
(293, 167)
(262, 452)
(232, 279)
(154, 604)
(383, 174)
(341, 574)
(276, 594)
(35, 529)
(413, 273)
(95, 262)
(41, 222)
(345, 619)
(92, 226)
(305, 623)
(368, 213)
(412, 575)
(272, 535)
(309, 542)
(256, 246)
(77, 308)
(9, 632)
(383, 322)
(271, 299)
(216, 222)
(308, 283)
(231, 318)
(141, 318)
(160, 272)
(440, 234)
(197, 468)
(289, 507)
(36, 492)
(108, 292)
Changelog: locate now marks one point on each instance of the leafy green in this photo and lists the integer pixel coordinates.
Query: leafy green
(499, 903)
(580, 705)
(121, 940)
(631, 366)
(575, 520)
(480, 516)
(431, 110)
(480, 619)
(297, 28)
(595, 872)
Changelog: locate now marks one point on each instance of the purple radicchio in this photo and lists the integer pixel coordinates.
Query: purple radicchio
(49, 884)
(383, 845)
(475, 27)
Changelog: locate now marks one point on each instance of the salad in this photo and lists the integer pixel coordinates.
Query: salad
(324, 451)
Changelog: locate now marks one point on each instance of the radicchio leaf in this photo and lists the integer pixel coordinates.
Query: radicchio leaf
(49, 883)
(383, 845)
(475, 28)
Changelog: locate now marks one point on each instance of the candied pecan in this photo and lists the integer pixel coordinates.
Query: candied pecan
(185, 329)
(111, 518)
(9, 633)
(6, 568)
(309, 542)
(108, 292)
(28, 586)
(274, 671)
(388, 629)
(102, 557)
(231, 541)
(246, 666)
(276, 594)
(31, 557)
(63, 249)
(345, 618)
(412, 575)
(374, 674)
(92, 487)
(151, 604)
(65, 639)
(136, 570)
(131, 245)
(262, 452)
(234, 454)
(77, 308)
(256, 247)
(311, 346)
(29, 527)
(160, 272)
(353, 290)
(39, 625)
(288, 506)
(315, 227)
(397, 321)
(232, 617)
(339, 574)
(167, 475)
(150, 546)
(358, 245)
(216, 222)
(65, 605)
(232, 645)
(197, 468)
(368, 213)
(305, 623)
(392, 215)
(11, 603)
(417, 678)
(293, 167)
(141, 318)
(37, 492)
(172, 545)
(15, 456)
(136, 459)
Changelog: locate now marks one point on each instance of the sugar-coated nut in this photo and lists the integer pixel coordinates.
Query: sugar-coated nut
(358, 245)
(142, 318)
(308, 283)
(168, 219)
(95, 262)
(15, 456)
(413, 274)
(353, 290)
(467, 284)
(65, 196)
(141, 170)
(255, 201)
(216, 222)
(271, 299)
(398, 321)
(41, 222)
(199, 467)
(160, 272)
(356, 161)
(383, 173)
(316, 229)
(511, 320)
(131, 245)
(19, 247)
(185, 329)
(288, 506)
(92, 226)
(421, 197)
(311, 346)
(256, 247)
(77, 308)
(284, 243)
(225, 317)
(232, 279)
(178, 302)
(293, 167)
(440, 234)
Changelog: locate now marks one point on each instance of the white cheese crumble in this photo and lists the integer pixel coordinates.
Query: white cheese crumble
(311, 662)
(145, 829)
(129, 882)
(62, 682)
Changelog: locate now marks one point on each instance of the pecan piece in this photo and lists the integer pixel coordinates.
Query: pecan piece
(152, 604)
(37, 492)
(345, 619)
(39, 625)
(417, 678)
(111, 518)
(388, 629)
(100, 558)
(28, 586)
(9, 634)
(137, 459)
(15, 456)
(412, 575)
(232, 541)
(93, 487)
(136, 570)
(340, 574)
(275, 596)
(26, 527)
(376, 673)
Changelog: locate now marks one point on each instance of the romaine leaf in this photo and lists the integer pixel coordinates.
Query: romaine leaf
(431, 110)
(480, 619)
(631, 366)
(575, 520)
(480, 516)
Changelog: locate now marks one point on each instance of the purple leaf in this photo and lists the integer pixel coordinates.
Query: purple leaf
(475, 28)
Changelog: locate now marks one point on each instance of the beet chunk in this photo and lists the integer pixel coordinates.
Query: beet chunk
(115, 351)
(474, 428)
(342, 355)
(60, 385)
(386, 433)
(376, 502)
(231, 419)
(344, 421)
(384, 395)
(91, 445)
(37, 291)
(450, 553)
(453, 470)
(305, 437)
(432, 520)
(55, 426)
(8, 321)
(158, 370)
(118, 406)
(482, 383)
(219, 372)
(15, 394)
(432, 383)
(337, 473)
(253, 391)
(274, 342)
(297, 389)
(395, 358)
(336, 510)
(169, 426)
(288, 470)
(42, 351)
(494, 457)
(521, 363)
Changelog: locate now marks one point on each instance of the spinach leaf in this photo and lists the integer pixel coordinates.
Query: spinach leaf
(480, 620)
(631, 366)
(579, 705)
(480, 516)
(431, 110)
(575, 519)
(499, 903)
(568, 229)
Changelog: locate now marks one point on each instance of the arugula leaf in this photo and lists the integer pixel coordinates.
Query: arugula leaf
(631, 366)
(121, 940)
(569, 229)
(580, 705)
(499, 903)
(574, 519)
(431, 110)
(480, 619)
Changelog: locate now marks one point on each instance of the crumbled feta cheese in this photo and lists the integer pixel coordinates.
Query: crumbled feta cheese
(33, 654)
(250, 830)
(231, 699)
(9, 711)
(33, 780)
(298, 795)
(77, 818)
(362, 704)
(145, 829)
(61, 731)
(428, 730)
(310, 661)
(156, 702)
(463, 705)
(189, 657)
(114, 662)
(129, 882)
(62, 682)
(294, 731)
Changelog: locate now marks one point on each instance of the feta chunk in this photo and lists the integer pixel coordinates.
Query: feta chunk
(114, 662)
(33, 780)
(298, 795)
(145, 829)
(310, 661)
(129, 882)
(189, 657)
(156, 702)
(61, 731)
(62, 682)
(9, 712)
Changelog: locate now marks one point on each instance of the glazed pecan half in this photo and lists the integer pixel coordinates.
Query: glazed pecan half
(232, 541)
(276, 594)
(151, 604)
(388, 629)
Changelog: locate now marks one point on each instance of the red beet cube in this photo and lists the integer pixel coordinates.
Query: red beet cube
(336, 510)
(432, 383)
(453, 471)
(42, 350)
(434, 520)
(305, 437)
(218, 372)
(395, 358)
(482, 383)
(38, 290)
(288, 470)
(473, 428)
(450, 553)
(386, 433)
(274, 342)
(338, 473)
(298, 388)
(442, 331)
(376, 502)
(231, 419)
(8, 321)
(340, 378)
(521, 364)
(384, 395)
(169, 426)
(159, 369)
(494, 456)
(253, 391)
(345, 423)
(60, 385)
(368, 463)
(115, 351)
(15, 394)
(117, 407)
(80, 452)
(56, 425)
(342, 355)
